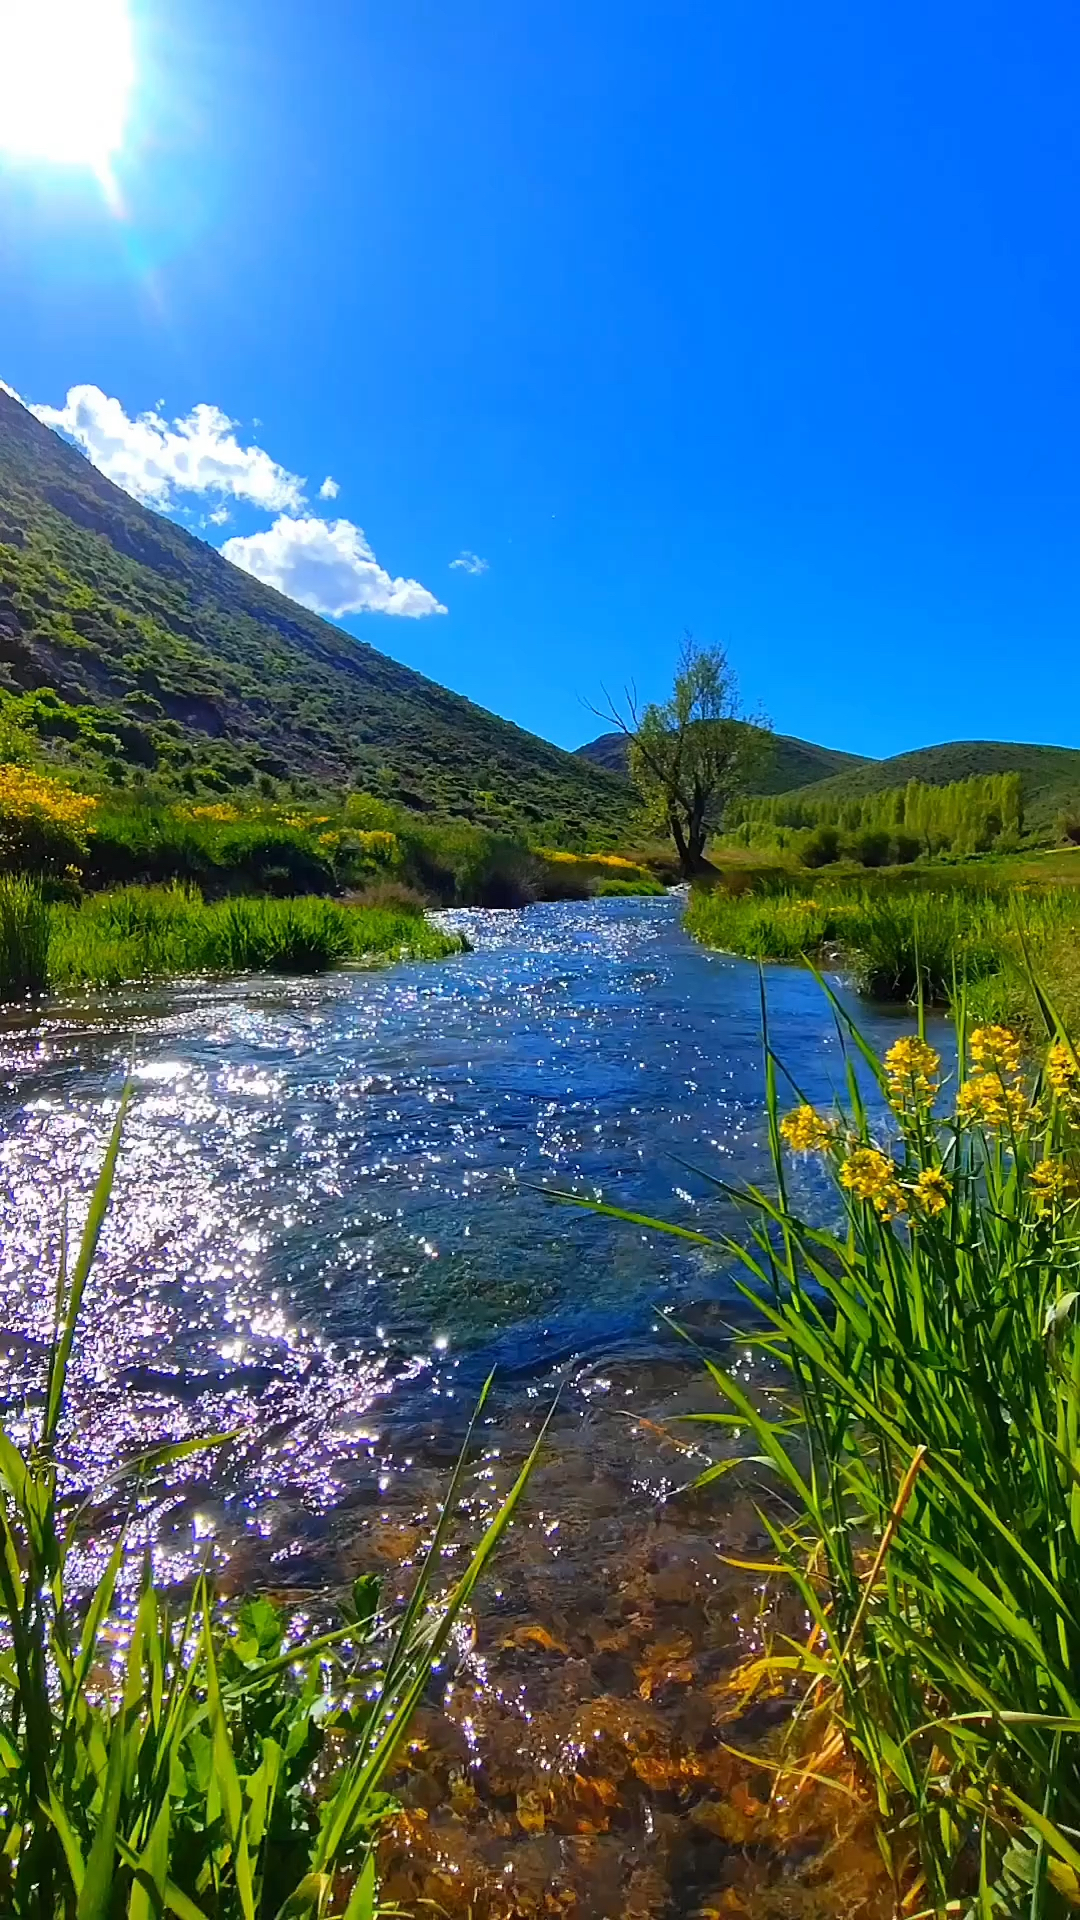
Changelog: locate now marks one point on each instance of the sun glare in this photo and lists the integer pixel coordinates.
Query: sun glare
(66, 69)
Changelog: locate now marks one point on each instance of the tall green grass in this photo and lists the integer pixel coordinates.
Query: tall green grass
(24, 938)
(894, 940)
(231, 1767)
(920, 1462)
(154, 845)
(153, 932)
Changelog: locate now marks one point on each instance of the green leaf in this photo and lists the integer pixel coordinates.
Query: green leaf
(151, 1878)
(95, 1220)
(306, 1898)
(95, 1898)
(362, 1900)
(225, 1777)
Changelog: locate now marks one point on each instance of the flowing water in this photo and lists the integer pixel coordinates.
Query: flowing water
(328, 1226)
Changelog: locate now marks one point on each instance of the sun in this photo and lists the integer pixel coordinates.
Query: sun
(66, 70)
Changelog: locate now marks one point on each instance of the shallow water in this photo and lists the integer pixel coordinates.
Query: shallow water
(328, 1227)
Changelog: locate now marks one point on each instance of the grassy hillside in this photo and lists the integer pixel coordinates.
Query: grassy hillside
(793, 763)
(1050, 775)
(134, 651)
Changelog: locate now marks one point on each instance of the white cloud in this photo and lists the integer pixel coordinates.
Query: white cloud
(469, 562)
(220, 517)
(328, 566)
(329, 489)
(154, 460)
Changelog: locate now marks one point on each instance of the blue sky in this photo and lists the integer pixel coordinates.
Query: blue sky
(758, 320)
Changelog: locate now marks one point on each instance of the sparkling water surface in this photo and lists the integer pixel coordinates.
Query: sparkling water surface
(328, 1226)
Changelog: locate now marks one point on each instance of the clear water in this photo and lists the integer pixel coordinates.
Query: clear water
(329, 1212)
(329, 1225)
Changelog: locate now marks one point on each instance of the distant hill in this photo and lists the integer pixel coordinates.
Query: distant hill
(793, 763)
(160, 660)
(1051, 775)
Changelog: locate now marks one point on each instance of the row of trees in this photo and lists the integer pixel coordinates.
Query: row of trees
(966, 816)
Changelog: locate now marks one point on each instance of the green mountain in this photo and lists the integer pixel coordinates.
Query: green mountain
(136, 652)
(1050, 775)
(792, 763)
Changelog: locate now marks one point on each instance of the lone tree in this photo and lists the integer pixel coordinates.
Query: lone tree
(694, 753)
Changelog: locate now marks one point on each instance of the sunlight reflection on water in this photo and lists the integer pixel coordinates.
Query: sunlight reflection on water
(325, 1228)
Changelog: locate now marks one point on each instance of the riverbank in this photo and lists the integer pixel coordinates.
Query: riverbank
(95, 841)
(950, 929)
(147, 933)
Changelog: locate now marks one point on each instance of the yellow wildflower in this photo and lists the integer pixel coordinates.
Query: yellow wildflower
(913, 1072)
(806, 1130)
(1052, 1182)
(932, 1191)
(989, 1101)
(379, 844)
(1062, 1071)
(218, 810)
(871, 1176)
(995, 1049)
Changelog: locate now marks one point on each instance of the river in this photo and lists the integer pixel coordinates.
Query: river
(329, 1225)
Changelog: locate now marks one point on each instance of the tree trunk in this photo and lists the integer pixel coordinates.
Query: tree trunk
(685, 860)
(689, 837)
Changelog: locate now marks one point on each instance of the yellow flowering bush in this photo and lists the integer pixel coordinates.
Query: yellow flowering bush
(379, 846)
(44, 826)
(219, 810)
(615, 863)
(992, 1102)
(357, 856)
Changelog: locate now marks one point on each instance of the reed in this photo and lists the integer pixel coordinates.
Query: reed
(141, 933)
(900, 940)
(230, 1766)
(923, 1442)
(24, 938)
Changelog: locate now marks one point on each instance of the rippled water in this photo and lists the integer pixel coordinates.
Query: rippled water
(327, 1228)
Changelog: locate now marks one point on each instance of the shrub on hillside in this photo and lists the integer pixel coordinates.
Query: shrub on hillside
(462, 864)
(821, 848)
(872, 847)
(44, 826)
(370, 813)
(358, 856)
(216, 847)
